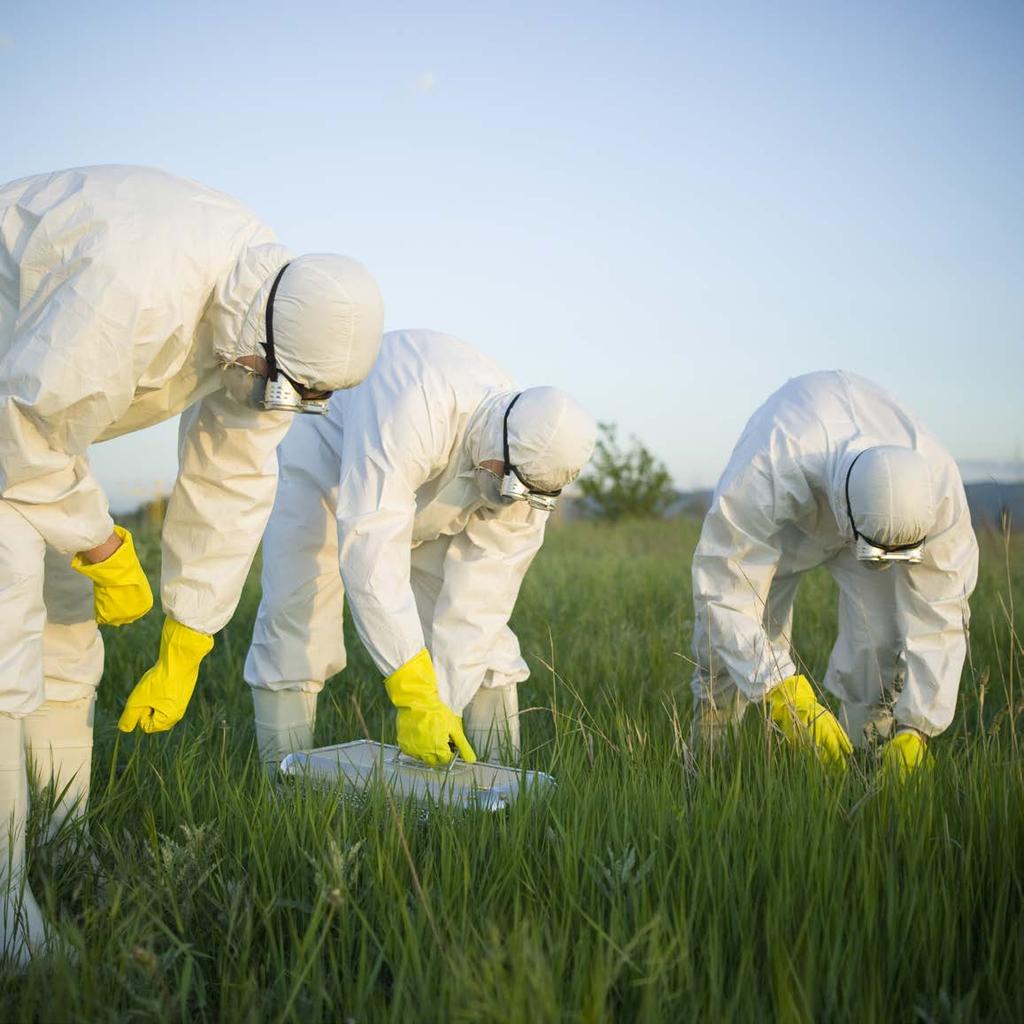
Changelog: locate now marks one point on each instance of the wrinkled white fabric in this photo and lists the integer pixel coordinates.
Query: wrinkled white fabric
(780, 510)
(423, 562)
(227, 475)
(297, 640)
(121, 291)
(22, 614)
(890, 491)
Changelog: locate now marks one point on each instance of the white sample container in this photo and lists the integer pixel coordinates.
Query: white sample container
(363, 763)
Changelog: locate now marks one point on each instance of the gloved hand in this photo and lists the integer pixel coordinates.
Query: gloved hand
(425, 724)
(904, 754)
(161, 696)
(793, 706)
(121, 591)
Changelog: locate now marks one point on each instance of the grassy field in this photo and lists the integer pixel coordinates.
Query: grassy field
(648, 887)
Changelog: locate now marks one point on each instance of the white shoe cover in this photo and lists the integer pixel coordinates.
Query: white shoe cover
(712, 727)
(491, 724)
(22, 931)
(58, 739)
(284, 723)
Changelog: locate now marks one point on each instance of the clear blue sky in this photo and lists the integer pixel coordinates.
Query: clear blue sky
(668, 209)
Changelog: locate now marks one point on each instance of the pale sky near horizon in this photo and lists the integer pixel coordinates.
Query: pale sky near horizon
(668, 209)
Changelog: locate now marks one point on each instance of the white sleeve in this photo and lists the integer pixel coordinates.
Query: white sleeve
(66, 376)
(219, 507)
(385, 458)
(933, 608)
(733, 567)
(483, 571)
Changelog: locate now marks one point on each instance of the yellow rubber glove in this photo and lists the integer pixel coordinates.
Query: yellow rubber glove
(161, 696)
(120, 589)
(425, 724)
(904, 754)
(794, 708)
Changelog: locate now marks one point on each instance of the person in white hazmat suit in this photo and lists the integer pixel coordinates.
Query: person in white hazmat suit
(429, 486)
(126, 296)
(833, 471)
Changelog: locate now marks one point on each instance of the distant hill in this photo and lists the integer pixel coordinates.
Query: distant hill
(988, 501)
(690, 503)
(991, 500)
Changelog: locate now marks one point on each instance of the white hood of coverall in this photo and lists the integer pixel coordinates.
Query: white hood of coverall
(550, 435)
(890, 495)
(328, 316)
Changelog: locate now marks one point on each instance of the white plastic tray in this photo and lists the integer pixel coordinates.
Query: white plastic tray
(362, 763)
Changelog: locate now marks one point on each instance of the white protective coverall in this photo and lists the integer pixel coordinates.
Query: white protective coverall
(424, 561)
(780, 510)
(124, 294)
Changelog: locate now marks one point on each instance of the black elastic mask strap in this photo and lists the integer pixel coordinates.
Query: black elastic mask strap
(269, 343)
(849, 508)
(504, 436)
(889, 548)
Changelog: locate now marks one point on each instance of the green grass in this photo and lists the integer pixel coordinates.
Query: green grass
(647, 887)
